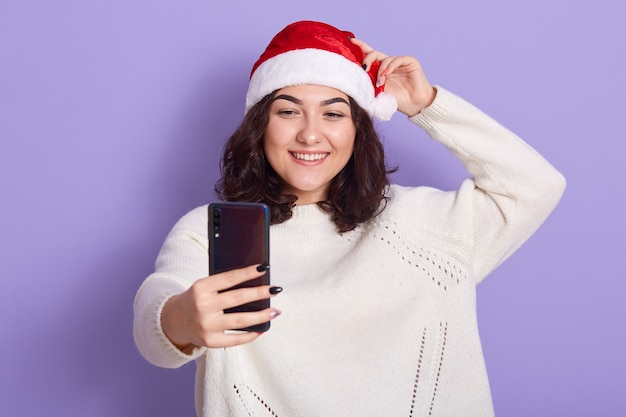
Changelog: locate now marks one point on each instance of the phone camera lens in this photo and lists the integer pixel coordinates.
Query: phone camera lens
(217, 219)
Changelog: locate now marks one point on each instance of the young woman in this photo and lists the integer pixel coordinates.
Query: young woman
(379, 314)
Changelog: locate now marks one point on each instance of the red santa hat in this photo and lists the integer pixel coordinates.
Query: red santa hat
(309, 52)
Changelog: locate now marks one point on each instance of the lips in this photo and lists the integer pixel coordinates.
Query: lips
(309, 156)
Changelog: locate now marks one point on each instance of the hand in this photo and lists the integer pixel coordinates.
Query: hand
(403, 77)
(196, 317)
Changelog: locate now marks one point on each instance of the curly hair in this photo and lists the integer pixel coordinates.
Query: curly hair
(355, 195)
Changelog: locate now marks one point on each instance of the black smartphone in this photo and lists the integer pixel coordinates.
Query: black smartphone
(239, 237)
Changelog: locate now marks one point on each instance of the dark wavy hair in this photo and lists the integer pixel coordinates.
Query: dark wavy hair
(355, 195)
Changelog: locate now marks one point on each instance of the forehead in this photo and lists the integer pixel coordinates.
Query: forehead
(312, 92)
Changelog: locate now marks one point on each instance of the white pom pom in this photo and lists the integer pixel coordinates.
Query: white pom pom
(384, 106)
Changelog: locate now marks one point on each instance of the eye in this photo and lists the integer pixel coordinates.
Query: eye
(286, 112)
(334, 115)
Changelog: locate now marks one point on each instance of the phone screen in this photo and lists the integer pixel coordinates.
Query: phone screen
(239, 237)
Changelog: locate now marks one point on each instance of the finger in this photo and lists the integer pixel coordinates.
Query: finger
(372, 57)
(232, 278)
(241, 296)
(387, 67)
(401, 64)
(244, 320)
(364, 46)
(226, 338)
(214, 325)
(370, 54)
(395, 62)
(223, 340)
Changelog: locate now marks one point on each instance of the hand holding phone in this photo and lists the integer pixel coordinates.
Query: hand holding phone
(195, 317)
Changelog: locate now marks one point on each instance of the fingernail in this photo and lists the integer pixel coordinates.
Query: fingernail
(364, 66)
(275, 313)
(262, 268)
(379, 81)
(276, 290)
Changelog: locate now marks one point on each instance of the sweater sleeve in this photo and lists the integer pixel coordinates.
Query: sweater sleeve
(182, 260)
(513, 188)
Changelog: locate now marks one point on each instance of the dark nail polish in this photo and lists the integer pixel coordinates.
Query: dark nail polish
(276, 290)
(262, 268)
(364, 66)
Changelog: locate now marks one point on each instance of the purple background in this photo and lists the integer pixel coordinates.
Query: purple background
(112, 116)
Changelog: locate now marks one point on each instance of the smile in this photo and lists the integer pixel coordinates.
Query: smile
(309, 156)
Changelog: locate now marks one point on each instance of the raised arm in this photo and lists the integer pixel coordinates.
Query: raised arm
(513, 188)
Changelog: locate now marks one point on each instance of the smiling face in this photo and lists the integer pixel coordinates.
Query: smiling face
(309, 138)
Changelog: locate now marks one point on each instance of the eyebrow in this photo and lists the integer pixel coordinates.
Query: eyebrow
(299, 102)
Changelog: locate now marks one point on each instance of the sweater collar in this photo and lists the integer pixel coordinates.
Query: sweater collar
(308, 213)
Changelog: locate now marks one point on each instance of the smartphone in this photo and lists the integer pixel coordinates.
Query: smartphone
(239, 237)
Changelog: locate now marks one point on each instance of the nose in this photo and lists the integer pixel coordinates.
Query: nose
(310, 131)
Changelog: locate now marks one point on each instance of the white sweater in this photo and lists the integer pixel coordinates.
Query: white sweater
(380, 321)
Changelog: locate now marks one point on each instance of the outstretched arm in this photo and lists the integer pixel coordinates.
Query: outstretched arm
(179, 311)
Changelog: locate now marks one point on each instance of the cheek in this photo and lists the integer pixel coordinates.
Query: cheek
(269, 141)
(269, 144)
(347, 141)
(271, 150)
(275, 136)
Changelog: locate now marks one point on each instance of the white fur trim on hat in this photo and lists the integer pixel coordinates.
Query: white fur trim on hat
(319, 67)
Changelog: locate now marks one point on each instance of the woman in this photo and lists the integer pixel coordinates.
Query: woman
(379, 302)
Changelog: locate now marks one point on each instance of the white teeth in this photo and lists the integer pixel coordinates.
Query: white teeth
(308, 156)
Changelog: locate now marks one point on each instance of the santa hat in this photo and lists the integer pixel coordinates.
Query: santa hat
(309, 52)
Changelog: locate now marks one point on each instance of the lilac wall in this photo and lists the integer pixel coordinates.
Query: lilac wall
(112, 115)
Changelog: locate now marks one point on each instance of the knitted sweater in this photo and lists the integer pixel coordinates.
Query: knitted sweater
(379, 321)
